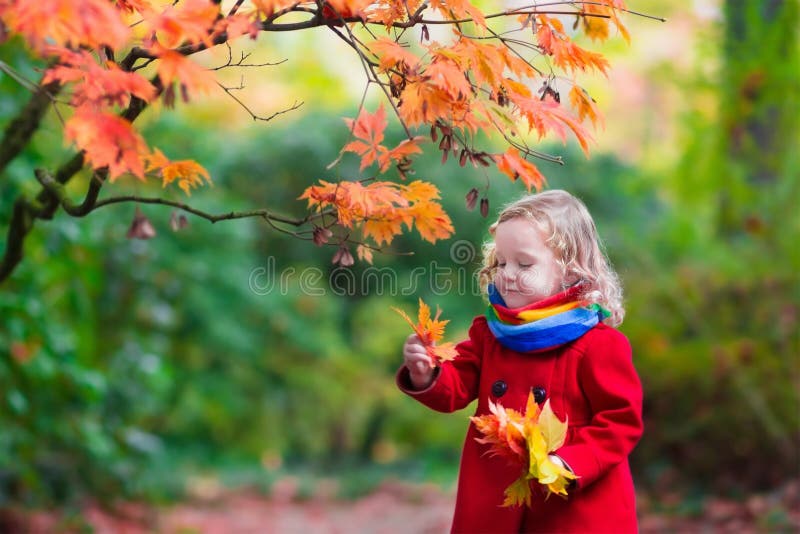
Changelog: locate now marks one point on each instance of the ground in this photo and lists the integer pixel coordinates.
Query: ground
(394, 507)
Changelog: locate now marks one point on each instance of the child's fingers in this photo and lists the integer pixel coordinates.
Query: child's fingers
(417, 362)
(413, 339)
(413, 346)
(414, 349)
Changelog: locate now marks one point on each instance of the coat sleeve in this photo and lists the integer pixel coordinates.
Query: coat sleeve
(456, 382)
(614, 392)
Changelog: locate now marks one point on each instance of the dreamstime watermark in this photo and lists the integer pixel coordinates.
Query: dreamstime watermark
(460, 276)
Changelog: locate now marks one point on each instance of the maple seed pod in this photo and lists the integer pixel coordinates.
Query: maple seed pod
(434, 135)
(444, 144)
(321, 235)
(484, 207)
(141, 227)
(462, 159)
(343, 257)
(472, 199)
(177, 221)
(169, 96)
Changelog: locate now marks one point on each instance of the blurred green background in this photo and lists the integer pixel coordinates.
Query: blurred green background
(234, 351)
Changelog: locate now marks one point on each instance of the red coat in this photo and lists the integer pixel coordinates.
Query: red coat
(592, 381)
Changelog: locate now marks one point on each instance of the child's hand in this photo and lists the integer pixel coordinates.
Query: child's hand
(419, 363)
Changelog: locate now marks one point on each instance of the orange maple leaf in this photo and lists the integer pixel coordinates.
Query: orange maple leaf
(392, 55)
(429, 330)
(239, 24)
(402, 151)
(336, 10)
(554, 41)
(364, 253)
(390, 11)
(486, 61)
(368, 129)
(546, 115)
(431, 221)
(94, 84)
(585, 105)
(107, 141)
(73, 23)
(595, 27)
(448, 76)
(191, 77)
(190, 21)
(611, 9)
(188, 173)
(144, 7)
(270, 7)
(383, 230)
(423, 102)
(512, 164)
(419, 191)
(459, 9)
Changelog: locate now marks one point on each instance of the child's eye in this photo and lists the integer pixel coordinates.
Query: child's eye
(524, 265)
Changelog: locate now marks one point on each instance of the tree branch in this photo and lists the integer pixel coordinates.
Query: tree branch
(91, 203)
(20, 130)
(18, 228)
(248, 110)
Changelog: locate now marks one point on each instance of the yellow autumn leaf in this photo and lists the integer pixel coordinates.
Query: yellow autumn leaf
(548, 471)
(518, 493)
(560, 484)
(537, 451)
(188, 174)
(553, 430)
(595, 22)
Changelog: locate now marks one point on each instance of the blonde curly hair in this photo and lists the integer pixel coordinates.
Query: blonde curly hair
(571, 234)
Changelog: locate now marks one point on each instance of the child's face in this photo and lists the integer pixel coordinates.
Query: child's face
(527, 269)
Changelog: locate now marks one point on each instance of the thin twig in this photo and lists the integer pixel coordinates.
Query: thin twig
(228, 90)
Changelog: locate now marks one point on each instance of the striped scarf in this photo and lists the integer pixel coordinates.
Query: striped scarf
(544, 324)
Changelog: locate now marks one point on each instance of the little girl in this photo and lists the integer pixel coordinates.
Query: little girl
(554, 301)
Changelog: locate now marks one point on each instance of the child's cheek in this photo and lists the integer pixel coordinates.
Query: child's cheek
(530, 282)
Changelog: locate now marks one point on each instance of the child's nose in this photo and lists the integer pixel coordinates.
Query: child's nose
(509, 272)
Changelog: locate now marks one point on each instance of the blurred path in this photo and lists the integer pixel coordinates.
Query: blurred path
(394, 507)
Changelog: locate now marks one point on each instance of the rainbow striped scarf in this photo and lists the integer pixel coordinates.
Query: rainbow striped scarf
(544, 324)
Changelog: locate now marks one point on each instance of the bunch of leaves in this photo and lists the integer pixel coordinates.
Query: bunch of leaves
(527, 439)
(430, 330)
(381, 209)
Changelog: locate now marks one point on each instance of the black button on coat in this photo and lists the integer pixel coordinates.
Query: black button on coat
(499, 388)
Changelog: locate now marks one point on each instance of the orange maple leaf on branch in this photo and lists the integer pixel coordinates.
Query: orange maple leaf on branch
(368, 130)
(430, 330)
(108, 141)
